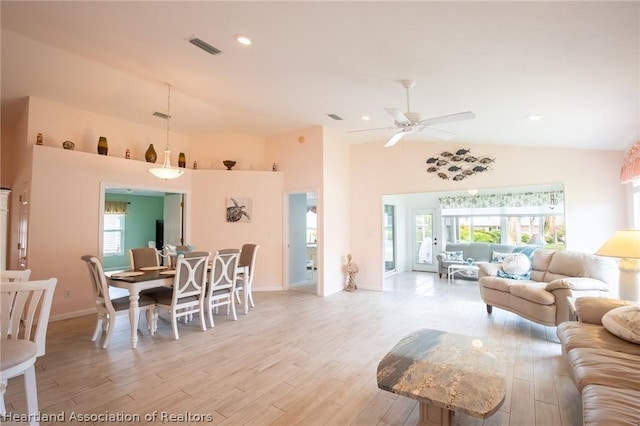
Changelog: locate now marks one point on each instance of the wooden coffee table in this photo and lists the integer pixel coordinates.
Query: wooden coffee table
(445, 372)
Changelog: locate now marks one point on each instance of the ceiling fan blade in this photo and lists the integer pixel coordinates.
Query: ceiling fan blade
(398, 116)
(367, 130)
(449, 118)
(439, 133)
(394, 139)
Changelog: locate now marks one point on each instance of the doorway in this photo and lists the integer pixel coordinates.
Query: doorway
(144, 218)
(303, 242)
(425, 240)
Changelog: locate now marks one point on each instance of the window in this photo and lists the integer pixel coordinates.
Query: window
(113, 236)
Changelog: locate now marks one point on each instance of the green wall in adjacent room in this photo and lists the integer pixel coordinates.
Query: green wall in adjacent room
(140, 225)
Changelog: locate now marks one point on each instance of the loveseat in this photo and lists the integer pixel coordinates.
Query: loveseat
(554, 276)
(479, 252)
(604, 367)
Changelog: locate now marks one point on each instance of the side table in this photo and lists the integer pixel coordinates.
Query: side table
(446, 373)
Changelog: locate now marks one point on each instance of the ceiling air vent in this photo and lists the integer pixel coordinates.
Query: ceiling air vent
(160, 114)
(204, 46)
(335, 117)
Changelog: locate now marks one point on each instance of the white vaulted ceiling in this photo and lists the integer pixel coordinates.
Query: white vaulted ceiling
(575, 63)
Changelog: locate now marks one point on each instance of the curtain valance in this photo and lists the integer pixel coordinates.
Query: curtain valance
(631, 164)
(115, 207)
(521, 199)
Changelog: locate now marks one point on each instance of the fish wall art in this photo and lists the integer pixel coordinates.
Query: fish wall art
(458, 165)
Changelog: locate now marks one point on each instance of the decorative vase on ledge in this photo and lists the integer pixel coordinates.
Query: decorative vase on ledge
(150, 155)
(182, 160)
(103, 146)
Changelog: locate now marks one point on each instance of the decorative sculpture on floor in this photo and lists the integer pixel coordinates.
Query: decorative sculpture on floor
(352, 269)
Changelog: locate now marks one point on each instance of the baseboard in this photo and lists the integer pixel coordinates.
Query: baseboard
(70, 315)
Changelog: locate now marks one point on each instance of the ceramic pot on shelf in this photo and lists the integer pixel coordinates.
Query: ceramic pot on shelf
(150, 154)
(103, 146)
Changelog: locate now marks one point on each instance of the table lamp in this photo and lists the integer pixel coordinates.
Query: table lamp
(537, 240)
(625, 244)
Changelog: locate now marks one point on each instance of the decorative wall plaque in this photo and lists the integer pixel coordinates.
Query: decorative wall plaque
(459, 165)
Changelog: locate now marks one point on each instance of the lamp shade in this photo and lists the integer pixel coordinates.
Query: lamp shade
(537, 240)
(624, 244)
(166, 171)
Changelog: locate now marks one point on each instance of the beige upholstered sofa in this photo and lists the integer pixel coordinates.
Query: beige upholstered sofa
(605, 368)
(555, 275)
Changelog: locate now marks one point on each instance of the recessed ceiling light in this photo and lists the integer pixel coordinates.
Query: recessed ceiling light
(535, 117)
(242, 39)
(365, 118)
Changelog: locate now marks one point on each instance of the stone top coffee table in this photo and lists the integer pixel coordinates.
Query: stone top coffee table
(445, 372)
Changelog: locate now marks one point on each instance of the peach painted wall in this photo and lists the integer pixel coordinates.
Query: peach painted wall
(64, 215)
(58, 122)
(336, 211)
(211, 231)
(595, 203)
(299, 156)
(211, 150)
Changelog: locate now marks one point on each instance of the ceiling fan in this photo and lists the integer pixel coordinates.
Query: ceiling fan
(412, 122)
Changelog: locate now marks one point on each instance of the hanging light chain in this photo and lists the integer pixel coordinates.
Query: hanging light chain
(168, 113)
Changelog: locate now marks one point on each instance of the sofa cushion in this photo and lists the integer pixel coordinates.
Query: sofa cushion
(498, 257)
(603, 405)
(517, 264)
(575, 334)
(624, 322)
(594, 366)
(533, 292)
(453, 256)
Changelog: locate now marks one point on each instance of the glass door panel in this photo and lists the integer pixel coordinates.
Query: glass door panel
(389, 238)
(424, 242)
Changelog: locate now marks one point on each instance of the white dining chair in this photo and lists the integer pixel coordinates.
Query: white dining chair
(23, 304)
(108, 308)
(222, 283)
(246, 271)
(12, 275)
(189, 290)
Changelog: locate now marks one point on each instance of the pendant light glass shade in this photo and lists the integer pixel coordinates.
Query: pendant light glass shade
(166, 171)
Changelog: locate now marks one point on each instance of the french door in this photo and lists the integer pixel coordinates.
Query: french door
(424, 241)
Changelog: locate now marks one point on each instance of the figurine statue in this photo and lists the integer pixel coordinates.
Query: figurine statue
(352, 269)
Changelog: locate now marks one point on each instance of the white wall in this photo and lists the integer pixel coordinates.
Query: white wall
(595, 203)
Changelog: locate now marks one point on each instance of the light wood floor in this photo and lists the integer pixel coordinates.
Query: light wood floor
(297, 359)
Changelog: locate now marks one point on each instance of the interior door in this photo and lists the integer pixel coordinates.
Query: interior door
(424, 241)
(173, 222)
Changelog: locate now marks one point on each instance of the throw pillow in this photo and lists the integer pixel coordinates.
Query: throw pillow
(515, 266)
(498, 257)
(453, 256)
(624, 322)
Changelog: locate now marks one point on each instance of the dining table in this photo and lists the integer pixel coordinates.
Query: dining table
(135, 282)
(153, 277)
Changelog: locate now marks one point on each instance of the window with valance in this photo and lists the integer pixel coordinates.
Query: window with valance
(115, 207)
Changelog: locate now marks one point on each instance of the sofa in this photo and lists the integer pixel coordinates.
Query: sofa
(604, 367)
(555, 275)
(479, 252)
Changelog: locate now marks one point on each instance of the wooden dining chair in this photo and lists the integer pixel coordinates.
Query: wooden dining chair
(222, 283)
(189, 290)
(108, 308)
(143, 257)
(23, 305)
(247, 267)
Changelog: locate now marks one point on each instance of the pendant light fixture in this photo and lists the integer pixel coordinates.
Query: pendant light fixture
(166, 171)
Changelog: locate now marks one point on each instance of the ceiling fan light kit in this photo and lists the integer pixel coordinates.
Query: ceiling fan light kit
(412, 122)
